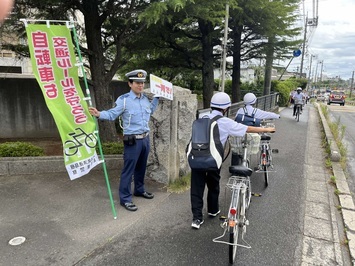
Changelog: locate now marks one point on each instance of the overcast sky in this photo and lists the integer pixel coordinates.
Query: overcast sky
(332, 41)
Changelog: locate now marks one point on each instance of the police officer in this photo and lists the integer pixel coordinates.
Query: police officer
(135, 110)
(220, 104)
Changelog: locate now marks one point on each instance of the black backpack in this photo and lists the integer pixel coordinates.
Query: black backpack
(205, 150)
(248, 120)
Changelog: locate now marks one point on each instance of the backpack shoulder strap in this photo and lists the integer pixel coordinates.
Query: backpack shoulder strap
(216, 118)
(245, 110)
(254, 111)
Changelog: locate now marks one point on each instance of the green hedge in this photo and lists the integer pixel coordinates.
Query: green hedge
(20, 149)
(111, 148)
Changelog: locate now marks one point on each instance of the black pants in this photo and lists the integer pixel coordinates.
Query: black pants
(295, 106)
(199, 179)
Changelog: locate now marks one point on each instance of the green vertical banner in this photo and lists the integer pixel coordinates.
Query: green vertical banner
(55, 68)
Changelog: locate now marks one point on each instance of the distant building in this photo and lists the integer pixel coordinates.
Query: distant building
(12, 63)
(247, 75)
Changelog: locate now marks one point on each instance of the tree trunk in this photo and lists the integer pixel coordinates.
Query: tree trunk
(206, 29)
(236, 93)
(100, 78)
(268, 66)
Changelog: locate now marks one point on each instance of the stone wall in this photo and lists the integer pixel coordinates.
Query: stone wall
(170, 133)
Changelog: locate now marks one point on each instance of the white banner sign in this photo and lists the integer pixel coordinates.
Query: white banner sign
(160, 87)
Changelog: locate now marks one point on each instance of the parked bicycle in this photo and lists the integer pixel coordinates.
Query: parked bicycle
(239, 186)
(265, 164)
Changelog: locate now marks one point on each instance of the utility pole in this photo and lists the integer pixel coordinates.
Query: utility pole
(310, 72)
(303, 46)
(315, 76)
(351, 86)
(321, 71)
(223, 78)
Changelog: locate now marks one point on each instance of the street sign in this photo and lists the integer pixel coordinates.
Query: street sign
(297, 53)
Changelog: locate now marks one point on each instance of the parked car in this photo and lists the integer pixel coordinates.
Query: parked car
(320, 97)
(337, 97)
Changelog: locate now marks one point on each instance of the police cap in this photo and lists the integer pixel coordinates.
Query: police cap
(138, 75)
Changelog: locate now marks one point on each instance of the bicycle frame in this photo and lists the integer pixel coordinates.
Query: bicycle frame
(298, 112)
(265, 159)
(240, 187)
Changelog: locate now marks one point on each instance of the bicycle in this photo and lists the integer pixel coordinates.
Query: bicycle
(265, 158)
(239, 185)
(298, 106)
(298, 112)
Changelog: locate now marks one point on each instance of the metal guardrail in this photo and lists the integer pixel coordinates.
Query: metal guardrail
(266, 103)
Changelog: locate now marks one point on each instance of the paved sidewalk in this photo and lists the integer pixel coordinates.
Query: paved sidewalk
(64, 221)
(322, 236)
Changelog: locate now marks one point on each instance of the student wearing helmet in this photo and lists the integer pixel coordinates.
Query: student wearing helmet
(298, 98)
(249, 100)
(220, 104)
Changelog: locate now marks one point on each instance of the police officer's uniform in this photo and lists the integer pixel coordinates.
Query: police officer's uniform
(135, 112)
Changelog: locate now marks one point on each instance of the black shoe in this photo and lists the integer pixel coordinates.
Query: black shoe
(145, 195)
(130, 206)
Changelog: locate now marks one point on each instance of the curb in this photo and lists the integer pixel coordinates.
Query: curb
(345, 198)
(10, 166)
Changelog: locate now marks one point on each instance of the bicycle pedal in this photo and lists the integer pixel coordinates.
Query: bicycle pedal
(256, 194)
(275, 150)
(222, 217)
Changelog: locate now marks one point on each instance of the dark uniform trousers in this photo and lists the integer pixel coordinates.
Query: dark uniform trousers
(135, 163)
(199, 179)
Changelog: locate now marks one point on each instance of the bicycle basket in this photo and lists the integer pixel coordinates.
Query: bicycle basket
(254, 143)
(236, 144)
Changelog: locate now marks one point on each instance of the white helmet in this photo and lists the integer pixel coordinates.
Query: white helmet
(299, 89)
(249, 98)
(221, 100)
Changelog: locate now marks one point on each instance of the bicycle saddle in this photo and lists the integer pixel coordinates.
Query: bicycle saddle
(263, 137)
(240, 170)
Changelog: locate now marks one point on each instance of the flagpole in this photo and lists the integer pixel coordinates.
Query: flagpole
(88, 98)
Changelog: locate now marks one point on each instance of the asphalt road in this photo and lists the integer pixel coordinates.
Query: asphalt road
(345, 116)
(165, 236)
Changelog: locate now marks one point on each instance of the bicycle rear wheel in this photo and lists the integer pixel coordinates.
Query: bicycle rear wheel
(264, 161)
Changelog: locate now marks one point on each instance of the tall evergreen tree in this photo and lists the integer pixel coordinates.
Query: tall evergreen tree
(253, 23)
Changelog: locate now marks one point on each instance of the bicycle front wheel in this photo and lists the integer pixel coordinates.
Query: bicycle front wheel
(298, 114)
(233, 240)
(234, 228)
(266, 175)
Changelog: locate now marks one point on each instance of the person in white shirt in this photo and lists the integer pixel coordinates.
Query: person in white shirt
(249, 100)
(220, 104)
(298, 98)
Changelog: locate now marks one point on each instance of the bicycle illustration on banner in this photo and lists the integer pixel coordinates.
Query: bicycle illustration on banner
(79, 139)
